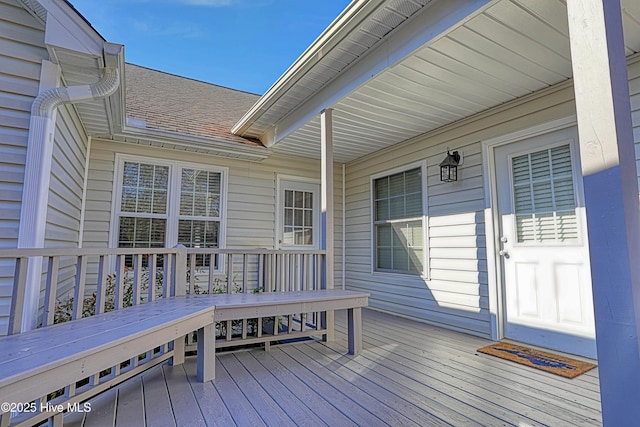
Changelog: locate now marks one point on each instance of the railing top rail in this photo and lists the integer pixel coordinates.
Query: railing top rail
(46, 252)
(255, 251)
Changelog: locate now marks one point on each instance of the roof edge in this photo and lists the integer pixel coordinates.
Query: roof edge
(352, 16)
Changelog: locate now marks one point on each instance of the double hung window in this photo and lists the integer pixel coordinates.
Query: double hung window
(398, 222)
(162, 204)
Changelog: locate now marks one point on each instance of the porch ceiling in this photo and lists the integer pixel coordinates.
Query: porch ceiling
(507, 50)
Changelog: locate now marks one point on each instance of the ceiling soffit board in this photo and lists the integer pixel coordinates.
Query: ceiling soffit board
(496, 56)
(424, 28)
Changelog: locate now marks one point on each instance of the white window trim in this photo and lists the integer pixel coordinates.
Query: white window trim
(173, 209)
(422, 164)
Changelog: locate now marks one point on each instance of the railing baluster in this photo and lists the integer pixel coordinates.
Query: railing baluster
(137, 279)
(212, 272)
(119, 285)
(245, 273)
(153, 267)
(19, 289)
(48, 313)
(229, 271)
(78, 295)
(260, 280)
(166, 276)
(101, 284)
(191, 285)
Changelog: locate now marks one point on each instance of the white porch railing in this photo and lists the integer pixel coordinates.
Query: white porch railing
(259, 270)
(78, 283)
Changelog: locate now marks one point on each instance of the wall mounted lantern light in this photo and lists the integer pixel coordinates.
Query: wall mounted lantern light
(449, 167)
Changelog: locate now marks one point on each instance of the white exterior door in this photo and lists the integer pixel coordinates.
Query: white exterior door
(298, 224)
(547, 299)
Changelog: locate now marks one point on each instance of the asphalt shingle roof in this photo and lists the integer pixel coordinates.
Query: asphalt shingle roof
(177, 104)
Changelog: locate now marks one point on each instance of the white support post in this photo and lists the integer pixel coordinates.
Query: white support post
(327, 241)
(611, 199)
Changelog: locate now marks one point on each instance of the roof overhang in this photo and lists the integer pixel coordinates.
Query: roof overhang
(81, 54)
(447, 61)
(188, 143)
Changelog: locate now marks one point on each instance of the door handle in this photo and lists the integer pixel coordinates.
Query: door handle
(503, 253)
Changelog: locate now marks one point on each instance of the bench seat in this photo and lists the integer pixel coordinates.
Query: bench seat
(249, 306)
(38, 362)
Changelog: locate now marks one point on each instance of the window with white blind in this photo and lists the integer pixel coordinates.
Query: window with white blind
(162, 204)
(544, 196)
(398, 222)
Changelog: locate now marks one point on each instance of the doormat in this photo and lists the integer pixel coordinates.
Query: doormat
(559, 365)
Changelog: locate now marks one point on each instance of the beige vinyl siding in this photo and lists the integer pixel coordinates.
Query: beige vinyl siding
(455, 293)
(22, 47)
(65, 193)
(67, 177)
(251, 195)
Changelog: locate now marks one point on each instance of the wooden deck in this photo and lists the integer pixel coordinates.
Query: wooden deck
(408, 374)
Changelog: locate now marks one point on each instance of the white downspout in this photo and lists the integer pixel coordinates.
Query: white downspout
(35, 196)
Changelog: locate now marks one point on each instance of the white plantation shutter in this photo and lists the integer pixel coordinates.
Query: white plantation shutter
(544, 196)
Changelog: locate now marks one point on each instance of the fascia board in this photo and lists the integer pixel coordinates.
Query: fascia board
(114, 58)
(423, 29)
(221, 146)
(355, 13)
(67, 29)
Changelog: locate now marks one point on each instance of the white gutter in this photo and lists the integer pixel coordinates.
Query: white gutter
(35, 196)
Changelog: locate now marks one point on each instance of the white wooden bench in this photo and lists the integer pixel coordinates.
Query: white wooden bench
(38, 362)
(261, 305)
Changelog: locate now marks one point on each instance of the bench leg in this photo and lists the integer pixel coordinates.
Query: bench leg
(207, 353)
(354, 325)
(178, 352)
(327, 322)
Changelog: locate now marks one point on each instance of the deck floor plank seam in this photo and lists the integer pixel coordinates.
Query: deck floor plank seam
(424, 394)
(311, 397)
(377, 403)
(186, 410)
(407, 373)
(413, 339)
(319, 382)
(212, 406)
(474, 395)
(241, 409)
(157, 404)
(265, 404)
(475, 373)
(285, 398)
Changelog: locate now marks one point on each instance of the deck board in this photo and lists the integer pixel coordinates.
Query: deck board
(157, 405)
(407, 374)
(290, 402)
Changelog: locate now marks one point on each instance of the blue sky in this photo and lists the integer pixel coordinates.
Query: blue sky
(242, 44)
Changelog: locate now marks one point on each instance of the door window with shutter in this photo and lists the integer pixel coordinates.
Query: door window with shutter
(544, 196)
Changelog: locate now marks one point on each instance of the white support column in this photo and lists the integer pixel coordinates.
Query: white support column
(327, 208)
(611, 198)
